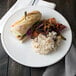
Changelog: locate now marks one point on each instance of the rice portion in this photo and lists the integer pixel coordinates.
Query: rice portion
(45, 44)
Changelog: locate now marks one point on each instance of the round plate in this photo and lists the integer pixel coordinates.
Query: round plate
(24, 53)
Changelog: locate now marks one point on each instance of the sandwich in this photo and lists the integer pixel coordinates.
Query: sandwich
(20, 28)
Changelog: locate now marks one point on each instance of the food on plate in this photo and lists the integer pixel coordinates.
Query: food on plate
(20, 28)
(45, 44)
(47, 35)
(46, 26)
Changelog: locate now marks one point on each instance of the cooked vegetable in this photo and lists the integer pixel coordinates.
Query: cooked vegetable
(46, 26)
(34, 34)
(52, 20)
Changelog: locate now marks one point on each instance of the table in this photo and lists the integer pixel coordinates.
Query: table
(9, 67)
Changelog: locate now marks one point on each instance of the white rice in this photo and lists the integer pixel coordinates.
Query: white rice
(45, 44)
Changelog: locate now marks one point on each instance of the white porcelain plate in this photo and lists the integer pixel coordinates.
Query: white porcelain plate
(24, 53)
